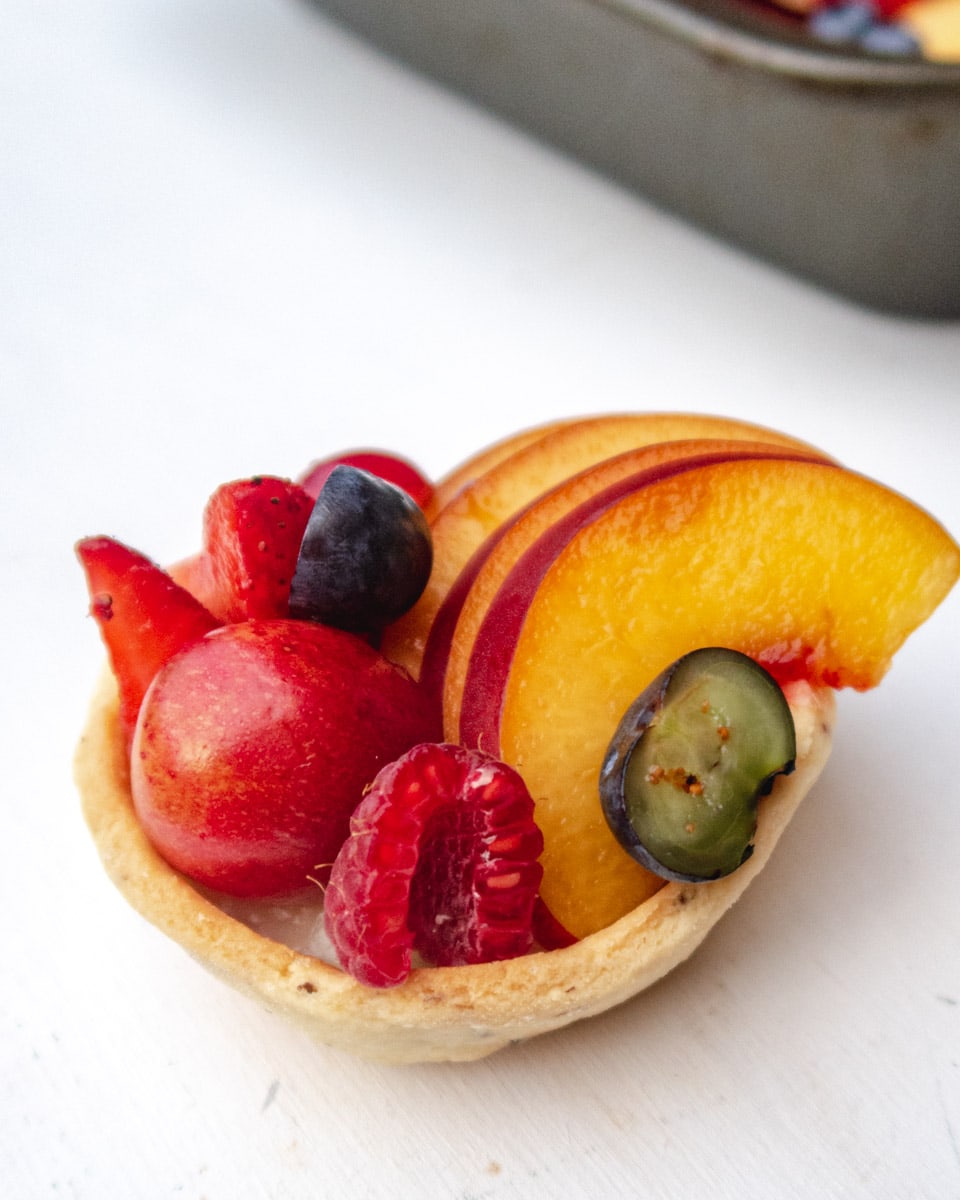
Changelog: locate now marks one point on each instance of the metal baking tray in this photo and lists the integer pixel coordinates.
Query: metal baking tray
(839, 166)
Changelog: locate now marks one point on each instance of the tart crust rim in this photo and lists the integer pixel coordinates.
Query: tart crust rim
(438, 1013)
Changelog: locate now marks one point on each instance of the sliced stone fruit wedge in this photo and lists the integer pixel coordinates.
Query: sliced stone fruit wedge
(454, 630)
(816, 572)
(509, 484)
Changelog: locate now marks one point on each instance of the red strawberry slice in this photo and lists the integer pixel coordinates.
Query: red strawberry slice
(441, 859)
(144, 617)
(390, 467)
(252, 530)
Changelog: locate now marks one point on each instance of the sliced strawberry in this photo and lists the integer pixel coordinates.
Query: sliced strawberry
(441, 859)
(144, 616)
(252, 530)
(386, 466)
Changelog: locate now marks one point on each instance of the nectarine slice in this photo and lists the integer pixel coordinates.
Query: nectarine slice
(459, 618)
(815, 571)
(508, 485)
(470, 470)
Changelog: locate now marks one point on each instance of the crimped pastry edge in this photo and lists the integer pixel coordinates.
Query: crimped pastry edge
(438, 1014)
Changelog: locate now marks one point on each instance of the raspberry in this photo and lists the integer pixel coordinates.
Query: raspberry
(441, 859)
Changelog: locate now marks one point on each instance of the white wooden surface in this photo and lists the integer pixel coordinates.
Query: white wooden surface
(233, 239)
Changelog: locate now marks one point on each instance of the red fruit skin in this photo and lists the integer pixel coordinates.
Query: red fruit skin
(144, 617)
(548, 933)
(441, 858)
(254, 746)
(394, 470)
(252, 530)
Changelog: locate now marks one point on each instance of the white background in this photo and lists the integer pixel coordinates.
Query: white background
(233, 239)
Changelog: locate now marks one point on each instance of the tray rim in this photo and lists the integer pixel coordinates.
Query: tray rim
(736, 30)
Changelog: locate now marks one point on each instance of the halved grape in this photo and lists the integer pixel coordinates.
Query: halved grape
(366, 554)
(694, 753)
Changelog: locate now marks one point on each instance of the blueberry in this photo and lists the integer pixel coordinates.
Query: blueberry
(890, 39)
(843, 22)
(365, 557)
(694, 753)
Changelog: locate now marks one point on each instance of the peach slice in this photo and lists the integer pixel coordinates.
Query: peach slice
(813, 570)
(447, 488)
(480, 507)
(451, 638)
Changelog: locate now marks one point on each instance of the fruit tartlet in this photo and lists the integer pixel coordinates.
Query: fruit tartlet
(431, 768)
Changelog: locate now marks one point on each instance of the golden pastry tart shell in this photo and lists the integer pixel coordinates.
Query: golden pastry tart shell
(438, 1014)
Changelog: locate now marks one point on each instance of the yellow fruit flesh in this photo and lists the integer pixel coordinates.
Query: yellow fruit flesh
(477, 510)
(469, 471)
(751, 555)
(550, 508)
(936, 26)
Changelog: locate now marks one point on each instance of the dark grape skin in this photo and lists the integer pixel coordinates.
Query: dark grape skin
(709, 826)
(365, 557)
